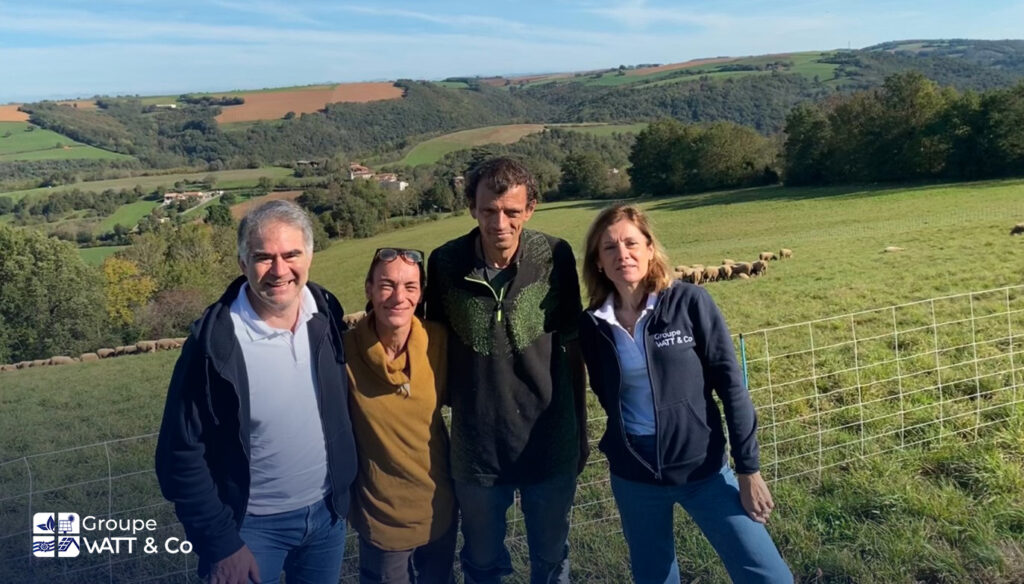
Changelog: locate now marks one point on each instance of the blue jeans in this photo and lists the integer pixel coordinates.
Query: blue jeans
(307, 543)
(744, 545)
(546, 506)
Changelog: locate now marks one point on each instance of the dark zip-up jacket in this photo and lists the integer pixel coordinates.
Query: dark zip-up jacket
(202, 453)
(689, 354)
(509, 379)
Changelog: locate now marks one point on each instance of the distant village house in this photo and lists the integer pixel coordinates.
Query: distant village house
(390, 181)
(198, 196)
(356, 170)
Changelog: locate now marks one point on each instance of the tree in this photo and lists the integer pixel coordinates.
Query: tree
(171, 312)
(219, 215)
(264, 185)
(51, 302)
(805, 154)
(583, 176)
(438, 197)
(653, 170)
(670, 157)
(126, 290)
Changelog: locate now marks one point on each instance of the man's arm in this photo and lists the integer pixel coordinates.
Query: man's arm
(579, 394)
(570, 308)
(181, 467)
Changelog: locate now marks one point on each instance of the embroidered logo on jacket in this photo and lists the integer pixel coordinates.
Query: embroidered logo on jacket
(672, 338)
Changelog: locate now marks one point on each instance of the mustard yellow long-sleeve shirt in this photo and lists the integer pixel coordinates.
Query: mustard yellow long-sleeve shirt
(403, 494)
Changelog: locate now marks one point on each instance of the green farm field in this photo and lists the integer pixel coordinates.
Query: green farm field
(127, 215)
(934, 502)
(17, 143)
(94, 256)
(806, 63)
(226, 179)
(432, 150)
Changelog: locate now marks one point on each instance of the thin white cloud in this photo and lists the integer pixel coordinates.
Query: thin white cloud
(280, 11)
(462, 20)
(639, 15)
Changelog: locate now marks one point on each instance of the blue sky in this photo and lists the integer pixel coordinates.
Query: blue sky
(68, 48)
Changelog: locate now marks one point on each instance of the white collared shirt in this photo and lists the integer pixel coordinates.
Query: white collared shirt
(635, 394)
(287, 456)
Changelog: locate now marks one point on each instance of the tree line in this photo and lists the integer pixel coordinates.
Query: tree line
(909, 129)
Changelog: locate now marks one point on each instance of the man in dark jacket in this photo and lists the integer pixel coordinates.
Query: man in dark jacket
(510, 298)
(256, 449)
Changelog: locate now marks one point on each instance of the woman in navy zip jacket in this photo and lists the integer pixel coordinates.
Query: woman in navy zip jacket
(655, 351)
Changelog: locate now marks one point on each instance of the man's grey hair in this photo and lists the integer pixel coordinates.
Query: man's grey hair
(279, 211)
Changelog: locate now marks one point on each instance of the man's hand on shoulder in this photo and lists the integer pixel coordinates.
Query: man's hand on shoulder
(238, 568)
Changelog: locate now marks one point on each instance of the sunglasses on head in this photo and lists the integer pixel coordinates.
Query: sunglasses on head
(390, 254)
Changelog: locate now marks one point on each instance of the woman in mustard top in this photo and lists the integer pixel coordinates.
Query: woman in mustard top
(404, 509)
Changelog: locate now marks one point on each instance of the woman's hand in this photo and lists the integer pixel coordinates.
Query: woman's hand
(755, 497)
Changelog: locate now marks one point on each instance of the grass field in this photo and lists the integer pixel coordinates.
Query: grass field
(806, 64)
(431, 151)
(16, 143)
(947, 512)
(226, 179)
(434, 149)
(94, 256)
(127, 215)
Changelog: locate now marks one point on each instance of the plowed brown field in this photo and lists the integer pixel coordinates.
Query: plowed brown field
(273, 105)
(674, 66)
(10, 113)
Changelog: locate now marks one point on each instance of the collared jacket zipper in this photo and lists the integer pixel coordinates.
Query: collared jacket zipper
(499, 297)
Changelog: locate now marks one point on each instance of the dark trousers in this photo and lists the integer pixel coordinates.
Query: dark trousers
(430, 563)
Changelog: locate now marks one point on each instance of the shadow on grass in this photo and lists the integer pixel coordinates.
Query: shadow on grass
(774, 193)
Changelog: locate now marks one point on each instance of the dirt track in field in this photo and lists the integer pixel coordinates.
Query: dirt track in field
(238, 211)
(273, 105)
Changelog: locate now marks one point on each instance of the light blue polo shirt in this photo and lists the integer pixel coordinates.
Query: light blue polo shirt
(287, 457)
(635, 393)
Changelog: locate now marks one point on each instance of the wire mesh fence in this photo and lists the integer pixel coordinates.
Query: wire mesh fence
(828, 392)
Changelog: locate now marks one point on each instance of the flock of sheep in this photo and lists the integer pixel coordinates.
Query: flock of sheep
(139, 347)
(730, 269)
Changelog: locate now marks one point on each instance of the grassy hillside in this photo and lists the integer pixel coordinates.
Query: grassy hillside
(19, 142)
(808, 64)
(948, 512)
